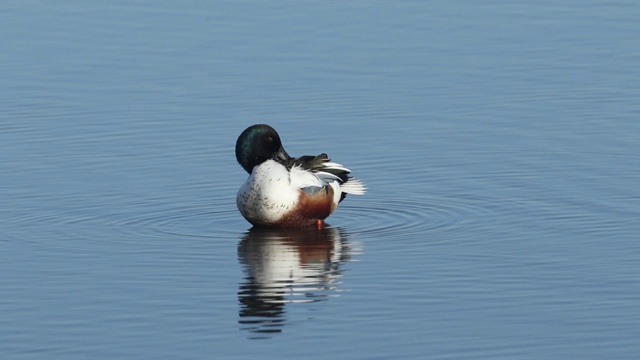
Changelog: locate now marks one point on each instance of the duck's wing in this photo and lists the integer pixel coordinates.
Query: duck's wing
(323, 172)
(321, 166)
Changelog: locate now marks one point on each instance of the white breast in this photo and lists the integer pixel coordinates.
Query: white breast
(267, 194)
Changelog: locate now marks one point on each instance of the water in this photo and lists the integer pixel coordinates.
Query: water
(500, 144)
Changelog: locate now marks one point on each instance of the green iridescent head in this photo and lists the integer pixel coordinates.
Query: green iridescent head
(257, 144)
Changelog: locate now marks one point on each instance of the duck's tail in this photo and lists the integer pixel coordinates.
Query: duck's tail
(353, 186)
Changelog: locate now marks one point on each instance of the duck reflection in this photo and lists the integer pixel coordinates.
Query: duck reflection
(284, 266)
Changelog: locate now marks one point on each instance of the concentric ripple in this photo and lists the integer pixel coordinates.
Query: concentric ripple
(423, 215)
(122, 225)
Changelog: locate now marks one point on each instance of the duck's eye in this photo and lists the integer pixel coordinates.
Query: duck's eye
(270, 139)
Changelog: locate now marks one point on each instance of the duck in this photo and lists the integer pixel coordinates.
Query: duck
(282, 191)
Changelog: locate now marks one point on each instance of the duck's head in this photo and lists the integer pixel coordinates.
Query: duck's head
(257, 144)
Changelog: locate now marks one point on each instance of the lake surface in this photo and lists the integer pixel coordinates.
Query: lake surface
(500, 143)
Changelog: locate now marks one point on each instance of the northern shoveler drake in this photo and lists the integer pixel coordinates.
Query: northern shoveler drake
(282, 191)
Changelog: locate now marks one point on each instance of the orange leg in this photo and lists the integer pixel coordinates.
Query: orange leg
(319, 223)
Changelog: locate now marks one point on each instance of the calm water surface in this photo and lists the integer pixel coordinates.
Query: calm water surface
(500, 143)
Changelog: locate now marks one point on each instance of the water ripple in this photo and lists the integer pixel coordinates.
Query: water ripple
(126, 225)
(425, 215)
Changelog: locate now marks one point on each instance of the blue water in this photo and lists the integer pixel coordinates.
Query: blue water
(500, 143)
